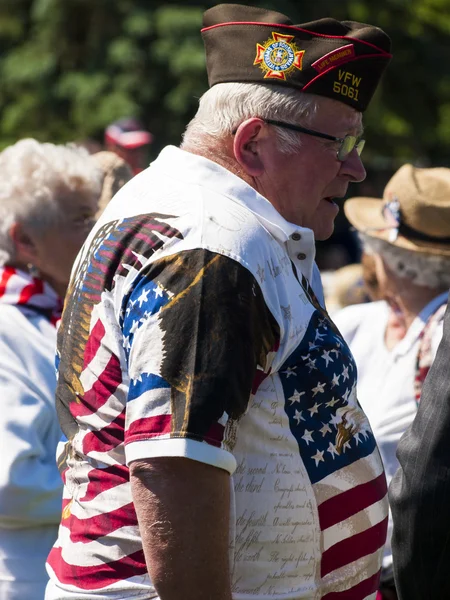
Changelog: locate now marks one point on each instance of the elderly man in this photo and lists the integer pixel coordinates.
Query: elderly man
(215, 446)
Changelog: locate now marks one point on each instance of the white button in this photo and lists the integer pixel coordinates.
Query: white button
(301, 256)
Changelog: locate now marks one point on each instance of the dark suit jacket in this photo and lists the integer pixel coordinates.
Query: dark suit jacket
(420, 490)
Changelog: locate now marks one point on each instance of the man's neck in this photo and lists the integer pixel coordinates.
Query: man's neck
(222, 155)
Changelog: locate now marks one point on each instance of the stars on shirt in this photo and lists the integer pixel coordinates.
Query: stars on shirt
(130, 306)
(332, 450)
(296, 397)
(332, 402)
(143, 297)
(289, 371)
(346, 446)
(322, 322)
(312, 365)
(146, 300)
(159, 290)
(335, 380)
(325, 429)
(314, 409)
(298, 416)
(328, 434)
(319, 385)
(145, 316)
(135, 326)
(318, 457)
(326, 357)
(319, 389)
(307, 436)
(335, 420)
(319, 336)
(337, 350)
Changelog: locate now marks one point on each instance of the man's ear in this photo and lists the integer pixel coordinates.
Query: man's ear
(24, 246)
(247, 146)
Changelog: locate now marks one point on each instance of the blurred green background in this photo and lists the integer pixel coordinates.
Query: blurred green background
(70, 67)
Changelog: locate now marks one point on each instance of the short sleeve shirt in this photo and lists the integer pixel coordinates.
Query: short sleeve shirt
(191, 329)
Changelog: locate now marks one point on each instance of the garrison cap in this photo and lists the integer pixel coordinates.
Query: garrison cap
(343, 60)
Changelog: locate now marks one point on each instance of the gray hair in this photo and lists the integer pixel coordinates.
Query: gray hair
(223, 107)
(34, 177)
(426, 270)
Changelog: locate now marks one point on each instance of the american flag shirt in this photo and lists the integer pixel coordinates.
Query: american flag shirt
(192, 328)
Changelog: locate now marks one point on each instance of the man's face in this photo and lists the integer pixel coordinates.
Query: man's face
(302, 185)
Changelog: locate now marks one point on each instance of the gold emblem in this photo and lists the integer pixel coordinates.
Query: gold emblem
(279, 56)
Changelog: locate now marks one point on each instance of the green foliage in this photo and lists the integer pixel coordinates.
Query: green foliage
(70, 67)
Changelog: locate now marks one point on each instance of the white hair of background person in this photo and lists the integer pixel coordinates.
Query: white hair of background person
(34, 177)
(224, 106)
(422, 269)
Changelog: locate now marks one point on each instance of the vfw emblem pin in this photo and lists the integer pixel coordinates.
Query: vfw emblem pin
(279, 56)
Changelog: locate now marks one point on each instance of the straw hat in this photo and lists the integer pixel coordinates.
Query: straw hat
(413, 214)
(116, 173)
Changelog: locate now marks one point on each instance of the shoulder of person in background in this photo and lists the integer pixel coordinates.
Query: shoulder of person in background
(345, 287)
(116, 173)
(351, 318)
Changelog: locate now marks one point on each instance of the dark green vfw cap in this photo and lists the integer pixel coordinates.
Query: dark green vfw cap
(343, 60)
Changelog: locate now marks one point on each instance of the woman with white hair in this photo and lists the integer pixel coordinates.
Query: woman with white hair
(48, 199)
(394, 341)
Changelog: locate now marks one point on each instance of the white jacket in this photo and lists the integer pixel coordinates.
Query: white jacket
(30, 485)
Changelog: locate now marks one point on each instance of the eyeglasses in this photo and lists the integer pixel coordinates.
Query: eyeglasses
(348, 143)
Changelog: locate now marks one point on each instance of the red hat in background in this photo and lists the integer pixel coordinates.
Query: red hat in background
(128, 133)
(129, 140)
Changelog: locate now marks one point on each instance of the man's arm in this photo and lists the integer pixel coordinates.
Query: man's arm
(195, 355)
(420, 490)
(183, 512)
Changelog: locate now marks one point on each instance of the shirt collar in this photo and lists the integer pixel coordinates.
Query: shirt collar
(199, 170)
(417, 326)
(432, 306)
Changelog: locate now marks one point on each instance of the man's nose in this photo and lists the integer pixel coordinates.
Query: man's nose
(353, 167)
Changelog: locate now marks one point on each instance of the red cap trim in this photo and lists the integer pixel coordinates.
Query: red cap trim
(335, 67)
(349, 54)
(292, 27)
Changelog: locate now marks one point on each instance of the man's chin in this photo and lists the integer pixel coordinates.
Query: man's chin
(323, 232)
(325, 227)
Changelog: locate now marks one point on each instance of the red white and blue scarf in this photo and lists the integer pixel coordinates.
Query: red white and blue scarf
(32, 294)
(425, 356)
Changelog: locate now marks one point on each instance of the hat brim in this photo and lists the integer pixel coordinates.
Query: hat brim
(129, 139)
(365, 214)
